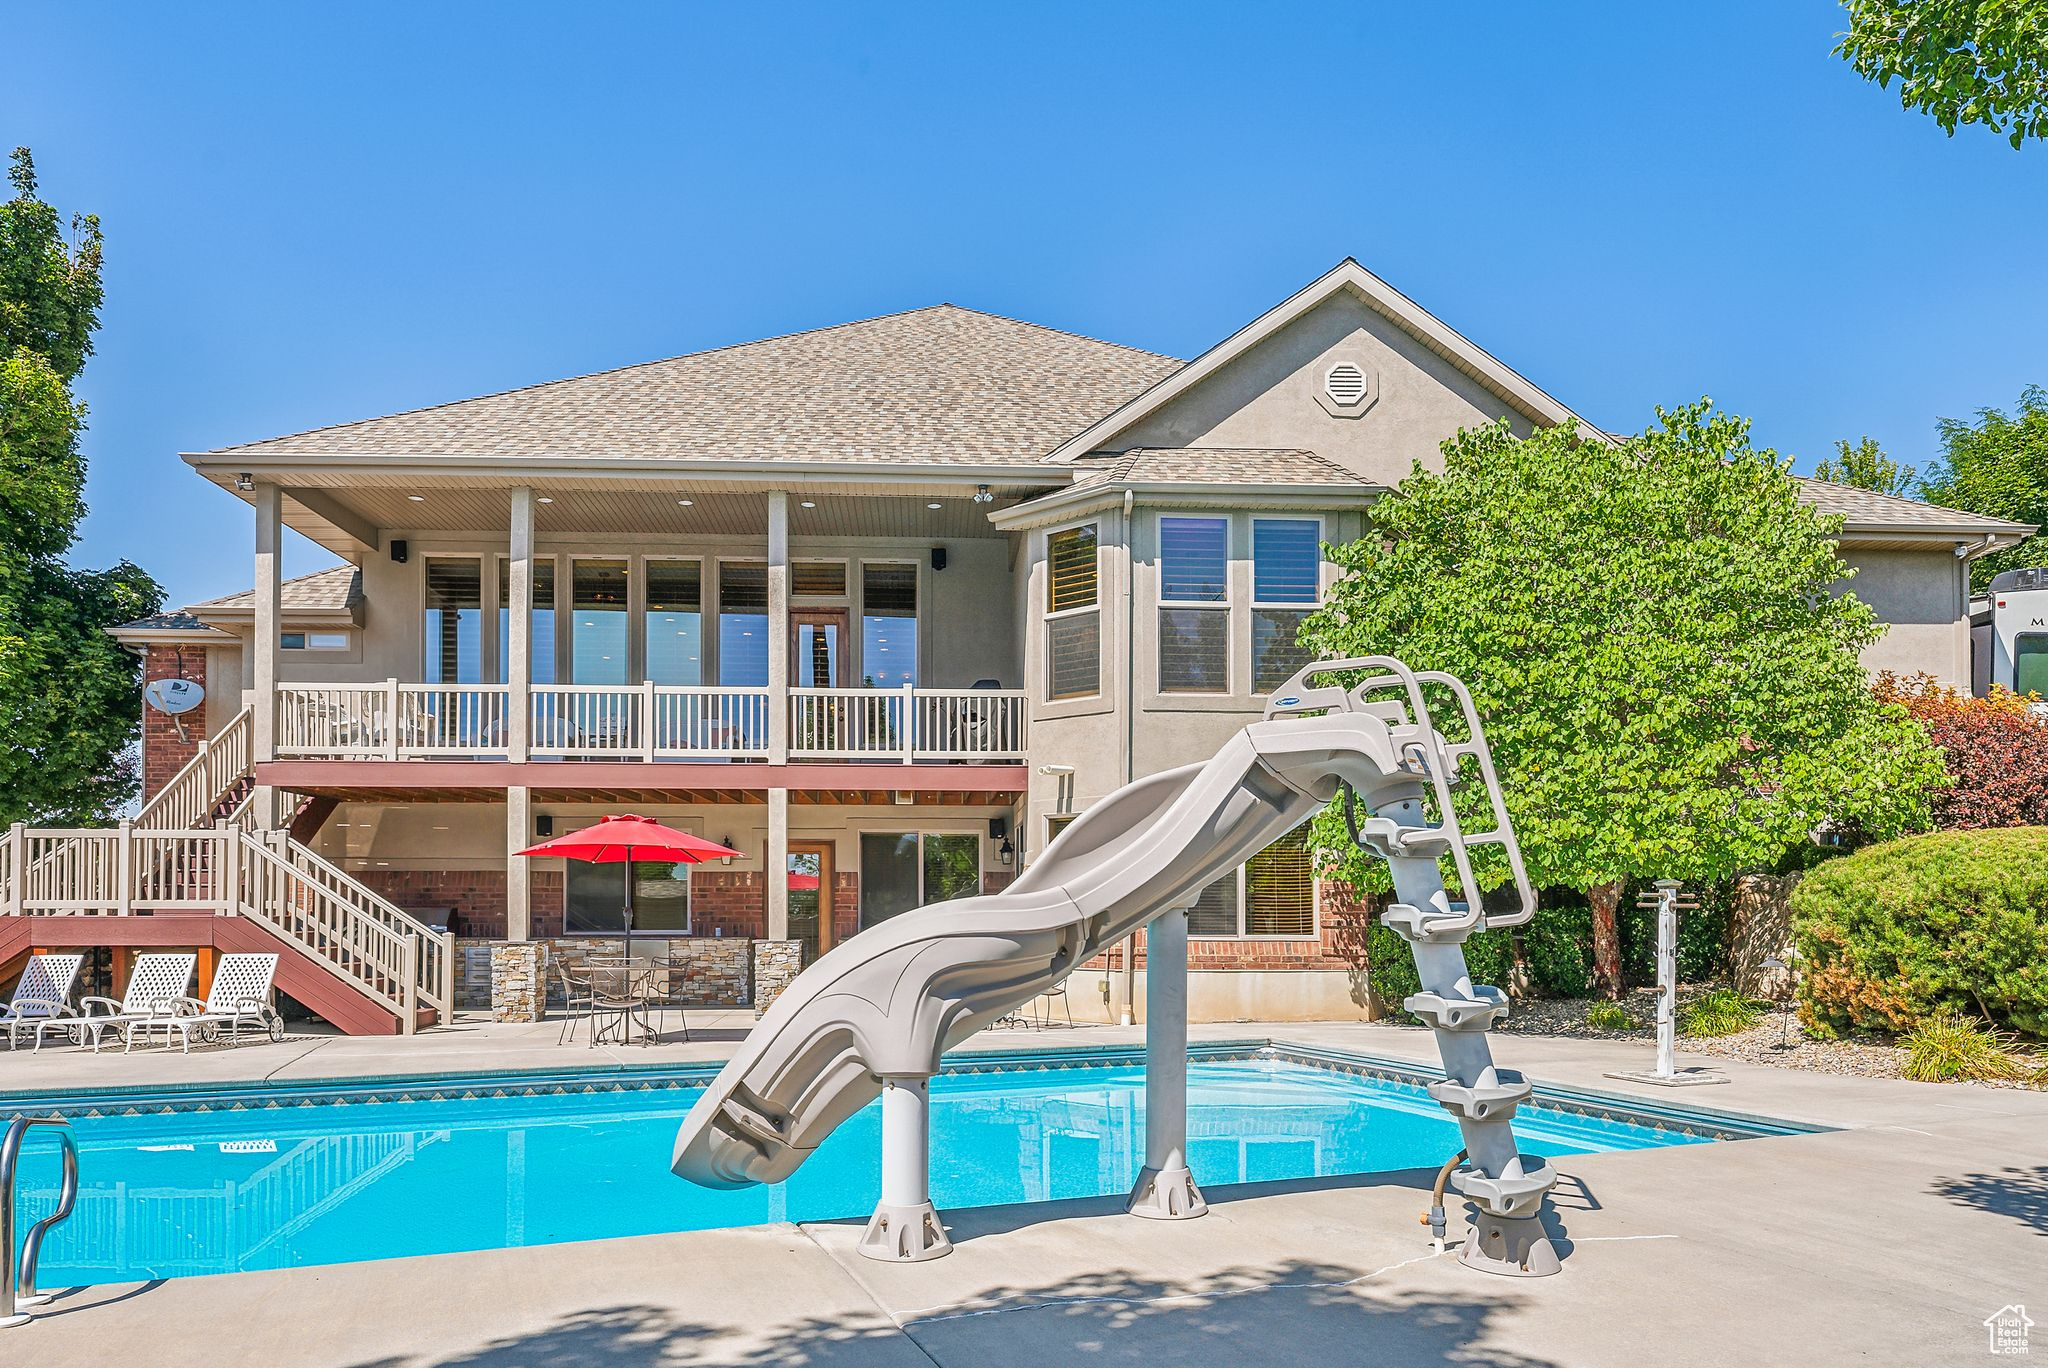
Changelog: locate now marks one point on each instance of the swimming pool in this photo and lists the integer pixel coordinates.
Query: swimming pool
(181, 1183)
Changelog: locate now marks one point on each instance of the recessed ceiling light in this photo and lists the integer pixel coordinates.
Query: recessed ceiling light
(686, 503)
(543, 499)
(806, 504)
(416, 498)
(934, 505)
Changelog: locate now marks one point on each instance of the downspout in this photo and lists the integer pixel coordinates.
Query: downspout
(1130, 741)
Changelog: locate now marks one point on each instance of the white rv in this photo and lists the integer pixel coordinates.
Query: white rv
(2019, 630)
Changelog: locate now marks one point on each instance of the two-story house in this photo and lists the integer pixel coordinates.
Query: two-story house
(878, 606)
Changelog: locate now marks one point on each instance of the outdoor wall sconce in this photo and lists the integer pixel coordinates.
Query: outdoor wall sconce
(727, 843)
(1006, 852)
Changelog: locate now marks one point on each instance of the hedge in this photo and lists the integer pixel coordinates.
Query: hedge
(1897, 933)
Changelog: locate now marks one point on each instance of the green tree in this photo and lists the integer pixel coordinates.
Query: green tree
(69, 694)
(1669, 686)
(1961, 61)
(1865, 466)
(1998, 466)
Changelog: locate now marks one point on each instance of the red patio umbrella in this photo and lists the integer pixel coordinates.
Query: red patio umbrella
(625, 837)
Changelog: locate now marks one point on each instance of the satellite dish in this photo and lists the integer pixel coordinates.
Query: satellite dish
(173, 696)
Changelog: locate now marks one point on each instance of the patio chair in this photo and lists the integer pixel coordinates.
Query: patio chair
(666, 993)
(576, 992)
(43, 992)
(240, 992)
(1045, 1001)
(156, 986)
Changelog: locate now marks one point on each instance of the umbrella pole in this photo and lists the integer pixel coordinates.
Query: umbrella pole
(627, 946)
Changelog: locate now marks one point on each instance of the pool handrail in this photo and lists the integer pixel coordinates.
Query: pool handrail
(18, 1285)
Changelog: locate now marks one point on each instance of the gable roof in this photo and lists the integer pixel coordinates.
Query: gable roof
(1218, 465)
(1864, 510)
(333, 592)
(1523, 395)
(940, 385)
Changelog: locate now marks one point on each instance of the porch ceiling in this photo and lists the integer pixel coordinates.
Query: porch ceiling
(483, 781)
(338, 510)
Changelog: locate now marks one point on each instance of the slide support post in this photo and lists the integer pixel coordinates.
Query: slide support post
(905, 1227)
(1166, 1190)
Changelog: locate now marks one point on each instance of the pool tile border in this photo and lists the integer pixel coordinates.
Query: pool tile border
(200, 1098)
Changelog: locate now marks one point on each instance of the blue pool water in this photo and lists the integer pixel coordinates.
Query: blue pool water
(185, 1193)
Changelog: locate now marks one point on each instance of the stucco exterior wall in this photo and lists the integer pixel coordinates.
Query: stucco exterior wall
(1922, 597)
(1266, 398)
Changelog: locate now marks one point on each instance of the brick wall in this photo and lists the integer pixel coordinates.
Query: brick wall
(1342, 921)
(163, 754)
(476, 895)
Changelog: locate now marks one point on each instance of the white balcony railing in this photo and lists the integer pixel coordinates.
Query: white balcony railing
(394, 721)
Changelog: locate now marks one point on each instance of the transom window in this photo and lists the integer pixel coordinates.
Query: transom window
(1272, 894)
(1194, 605)
(312, 641)
(1073, 613)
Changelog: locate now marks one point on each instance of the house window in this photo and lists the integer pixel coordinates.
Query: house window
(542, 631)
(454, 620)
(888, 625)
(599, 626)
(312, 641)
(1271, 894)
(1073, 615)
(900, 871)
(1287, 562)
(742, 624)
(673, 629)
(594, 898)
(1194, 611)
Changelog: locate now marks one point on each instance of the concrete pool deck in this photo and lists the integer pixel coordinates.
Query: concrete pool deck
(1888, 1240)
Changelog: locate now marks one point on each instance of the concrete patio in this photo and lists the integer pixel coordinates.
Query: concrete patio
(1886, 1241)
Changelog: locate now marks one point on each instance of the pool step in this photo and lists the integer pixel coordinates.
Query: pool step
(1476, 1013)
(1429, 926)
(1518, 1191)
(1483, 1101)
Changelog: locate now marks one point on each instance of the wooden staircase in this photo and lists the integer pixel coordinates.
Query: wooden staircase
(190, 870)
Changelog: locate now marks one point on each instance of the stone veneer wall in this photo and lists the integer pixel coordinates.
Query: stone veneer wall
(717, 971)
(516, 969)
(776, 963)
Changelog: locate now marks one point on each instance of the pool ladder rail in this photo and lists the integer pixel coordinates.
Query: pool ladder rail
(18, 1283)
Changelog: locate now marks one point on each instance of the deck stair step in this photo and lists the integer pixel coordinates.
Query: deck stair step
(1483, 1101)
(1517, 1192)
(1476, 1013)
(1427, 925)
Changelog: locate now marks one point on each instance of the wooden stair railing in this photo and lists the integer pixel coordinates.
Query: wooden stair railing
(194, 793)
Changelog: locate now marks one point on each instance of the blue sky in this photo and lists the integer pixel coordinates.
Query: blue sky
(317, 215)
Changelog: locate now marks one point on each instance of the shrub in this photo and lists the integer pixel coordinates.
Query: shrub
(1951, 1046)
(1897, 933)
(1609, 1016)
(1994, 749)
(1390, 968)
(1720, 1012)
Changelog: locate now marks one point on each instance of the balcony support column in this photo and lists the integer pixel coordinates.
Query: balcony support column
(263, 646)
(778, 864)
(518, 870)
(518, 643)
(778, 627)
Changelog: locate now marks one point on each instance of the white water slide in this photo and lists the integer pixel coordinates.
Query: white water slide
(873, 1015)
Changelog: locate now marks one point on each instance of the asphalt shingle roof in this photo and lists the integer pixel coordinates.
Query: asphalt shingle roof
(179, 621)
(1220, 465)
(1863, 508)
(339, 588)
(942, 385)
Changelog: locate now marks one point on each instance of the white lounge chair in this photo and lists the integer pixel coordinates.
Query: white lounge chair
(156, 986)
(43, 992)
(240, 992)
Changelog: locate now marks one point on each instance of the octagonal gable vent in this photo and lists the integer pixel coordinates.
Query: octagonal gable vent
(1345, 384)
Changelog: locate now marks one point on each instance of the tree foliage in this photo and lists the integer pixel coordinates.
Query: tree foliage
(1865, 466)
(1960, 61)
(69, 694)
(1995, 750)
(1998, 466)
(1669, 685)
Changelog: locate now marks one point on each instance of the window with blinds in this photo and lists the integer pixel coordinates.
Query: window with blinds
(1074, 621)
(541, 617)
(1286, 571)
(1272, 894)
(888, 625)
(673, 644)
(1280, 889)
(1194, 642)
